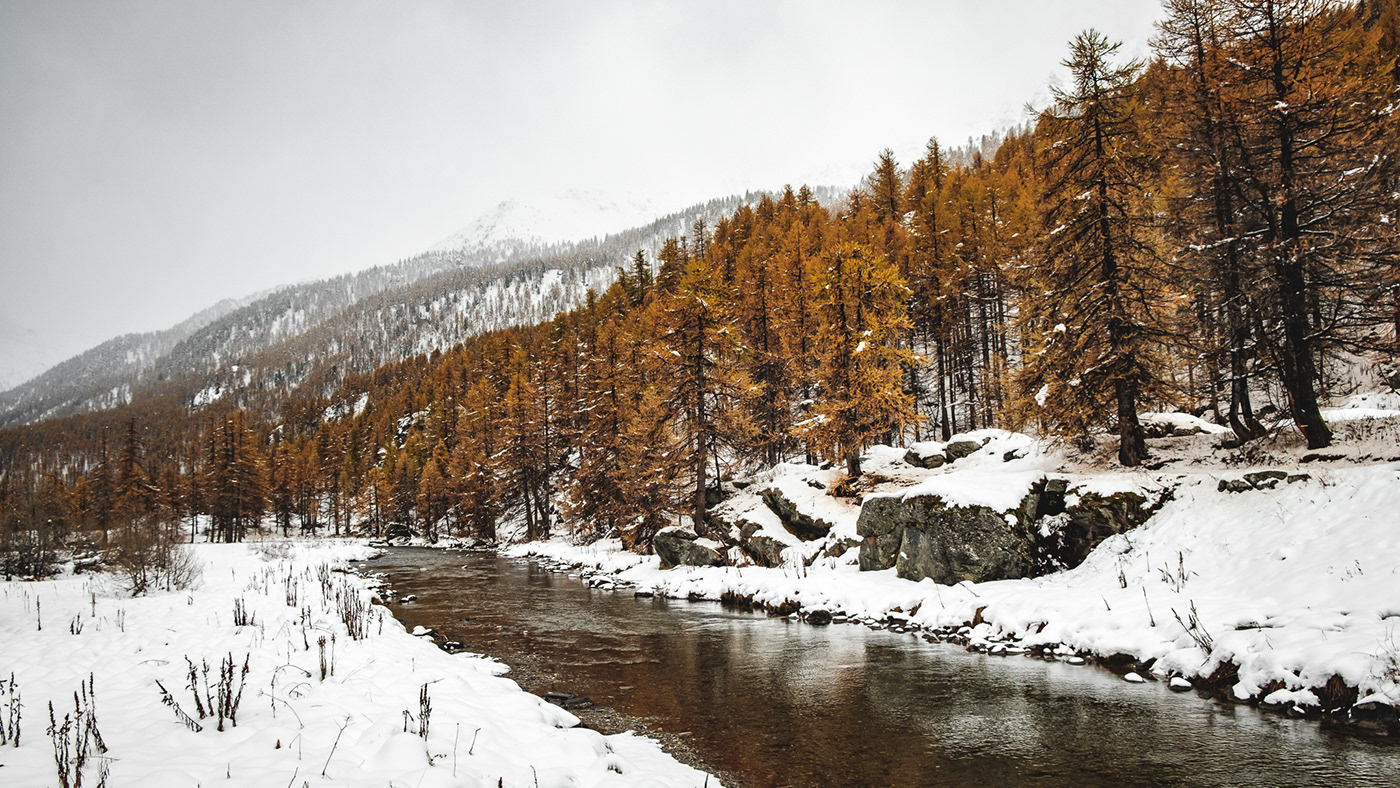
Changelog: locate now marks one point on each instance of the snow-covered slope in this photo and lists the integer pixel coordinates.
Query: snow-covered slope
(516, 265)
(319, 704)
(573, 216)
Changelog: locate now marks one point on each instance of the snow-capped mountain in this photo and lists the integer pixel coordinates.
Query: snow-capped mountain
(518, 264)
(573, 216)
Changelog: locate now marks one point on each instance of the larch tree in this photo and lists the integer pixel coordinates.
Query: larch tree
(861, 305)
(1203, 136)
(234, 479)
(1091, 312)
(698, 346)
(1319, 188)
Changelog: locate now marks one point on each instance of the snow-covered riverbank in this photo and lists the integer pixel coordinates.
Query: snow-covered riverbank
(286, 610)
(1291, 584)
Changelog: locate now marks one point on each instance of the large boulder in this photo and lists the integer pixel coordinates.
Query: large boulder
(679, 546)
(880, 530)
(924, 459)
(922, 536)
(803, 526)
(959, 449)
(1065, 535)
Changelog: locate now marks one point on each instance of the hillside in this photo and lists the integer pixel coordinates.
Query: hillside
(517, 265)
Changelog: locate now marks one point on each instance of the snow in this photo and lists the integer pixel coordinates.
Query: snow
(1184, 423)
(293, 726)
(574, 215)
(994, 488)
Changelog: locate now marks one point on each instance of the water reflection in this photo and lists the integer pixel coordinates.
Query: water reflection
(787, 704)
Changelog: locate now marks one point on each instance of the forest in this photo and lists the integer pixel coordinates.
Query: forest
(1213, 230)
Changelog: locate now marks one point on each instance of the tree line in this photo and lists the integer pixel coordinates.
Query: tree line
(1210, 230)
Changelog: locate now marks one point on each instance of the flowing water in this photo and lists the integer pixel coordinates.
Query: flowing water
(781, 703)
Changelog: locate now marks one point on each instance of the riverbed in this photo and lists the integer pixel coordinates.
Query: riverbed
(771, 702)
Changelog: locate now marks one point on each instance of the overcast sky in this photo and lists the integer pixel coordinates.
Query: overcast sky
(156, 157)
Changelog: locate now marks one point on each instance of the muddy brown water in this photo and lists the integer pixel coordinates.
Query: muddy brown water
(777, 703)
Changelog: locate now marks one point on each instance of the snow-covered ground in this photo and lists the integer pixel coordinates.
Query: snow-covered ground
(356, 726)
(1294, 583)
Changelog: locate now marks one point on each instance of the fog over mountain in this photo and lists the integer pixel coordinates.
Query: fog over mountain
(157, 158)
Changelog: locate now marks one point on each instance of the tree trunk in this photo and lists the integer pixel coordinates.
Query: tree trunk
(1132, 446)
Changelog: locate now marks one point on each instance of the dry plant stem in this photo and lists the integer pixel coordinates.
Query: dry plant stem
(338, 734)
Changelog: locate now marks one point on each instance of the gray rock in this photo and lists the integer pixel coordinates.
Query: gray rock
(1391, 376)
(804, 527)
(1265, 480)
(1234, 485)
(880, 532)
(948, 544)
(959, 449)
(764, 550)
(929, 461)
(676, 546)
(1083, 526)
(714, 496)
(839, 547)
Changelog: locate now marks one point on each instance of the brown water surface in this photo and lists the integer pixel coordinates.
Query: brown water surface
(783, 703)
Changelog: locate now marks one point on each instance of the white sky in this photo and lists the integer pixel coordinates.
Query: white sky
(156, 157)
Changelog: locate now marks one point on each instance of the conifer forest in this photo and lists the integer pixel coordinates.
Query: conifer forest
(1215, 230)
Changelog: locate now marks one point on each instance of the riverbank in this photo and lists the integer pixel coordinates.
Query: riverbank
(536, 673)
(1283, 594)
(321, 687)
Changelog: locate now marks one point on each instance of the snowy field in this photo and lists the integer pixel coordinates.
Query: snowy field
(285, 610)
(1293, 585)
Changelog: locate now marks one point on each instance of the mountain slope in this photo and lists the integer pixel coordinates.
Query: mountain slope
(483, 278)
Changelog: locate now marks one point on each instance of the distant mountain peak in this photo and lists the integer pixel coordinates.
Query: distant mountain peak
(565, 217)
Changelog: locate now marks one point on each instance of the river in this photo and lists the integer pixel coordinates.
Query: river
(779, 703)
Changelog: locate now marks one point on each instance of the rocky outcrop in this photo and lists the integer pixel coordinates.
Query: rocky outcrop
(928, 461)
(678, 546)
(743, 535)
(923, 455)
(922, 536)
(959, 449)
(1064, 536)
(800, 525)
(1260, 480)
